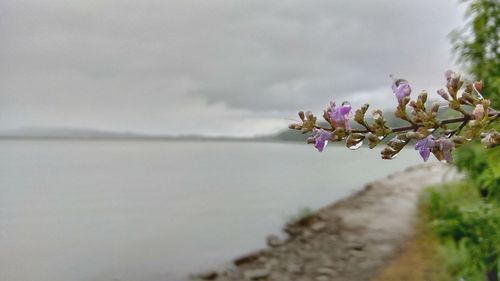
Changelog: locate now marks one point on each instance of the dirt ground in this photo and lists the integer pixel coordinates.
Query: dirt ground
(419, 260)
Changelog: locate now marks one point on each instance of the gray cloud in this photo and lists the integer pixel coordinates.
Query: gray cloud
(209, 66)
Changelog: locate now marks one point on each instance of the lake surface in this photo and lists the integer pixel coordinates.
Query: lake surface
(151, 211)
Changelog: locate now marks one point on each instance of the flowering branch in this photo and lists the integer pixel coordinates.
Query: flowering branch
(430, 133)
(464, 121)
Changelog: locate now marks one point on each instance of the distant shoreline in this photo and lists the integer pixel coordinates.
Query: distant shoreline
(160, 139)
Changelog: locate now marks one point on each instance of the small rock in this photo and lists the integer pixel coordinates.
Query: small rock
(307, 247)
(357, 254)
(334, 238)
(356, 246)
(273, 262)
(248, 258)
(274, 241)
(295, 268)
(292, 231)
(326, 262)
(256, 274)
(231, 274)
(209, 275)
(306, 234)
(367, 264)
(326, 271)
(322, 216)
(322, 278)
(318, 226)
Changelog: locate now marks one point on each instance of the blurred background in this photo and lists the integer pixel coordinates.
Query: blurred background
(221, 68)
(143, 140)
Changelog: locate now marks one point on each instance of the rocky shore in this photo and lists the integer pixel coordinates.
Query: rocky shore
(350, 240)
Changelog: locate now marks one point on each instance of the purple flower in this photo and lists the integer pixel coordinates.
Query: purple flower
(401, 89)
(340, 115)
(445, 146)
(424, 146)
(320, 138)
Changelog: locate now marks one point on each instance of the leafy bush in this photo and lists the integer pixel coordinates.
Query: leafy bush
(482, 167)
(468, 226)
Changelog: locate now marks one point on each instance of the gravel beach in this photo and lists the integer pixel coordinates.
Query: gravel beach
(350, 240)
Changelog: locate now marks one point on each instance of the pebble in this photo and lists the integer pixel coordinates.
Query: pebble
(322, 278)
(209, 275)
(318, 226)
(326, 271)
(274, 241)
(306, 234)
(248, 258)
(256, 274)
(295, 268)
(273, 262)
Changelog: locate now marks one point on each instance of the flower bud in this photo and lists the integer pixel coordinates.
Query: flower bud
(486, 104)
(467, 97)
(423, 97)
(435, 108)
(373, 140)
(453, 79)
(478, 86)
(478, 112)
(388, 153)
(458, 140)
(443, 94)
(354, 141)
(455, 105)
(490, 139)
(405, 100)
(377, 114)
(301, 115)
(414, 135)
(401, 89)
(442, 149)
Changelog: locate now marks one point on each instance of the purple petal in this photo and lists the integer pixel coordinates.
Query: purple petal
(425, 153)
(448, 156)
(320, 145)
(347, 124)
(394, 87)
(401, 88)
(340, 115)
(332, 106)
(446, 146)
(322, 139)
(447, 153)
(345, 109)
(424, 147)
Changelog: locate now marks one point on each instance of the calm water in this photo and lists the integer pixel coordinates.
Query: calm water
(150, 211)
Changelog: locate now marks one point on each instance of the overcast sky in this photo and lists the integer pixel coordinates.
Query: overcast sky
(211, 67)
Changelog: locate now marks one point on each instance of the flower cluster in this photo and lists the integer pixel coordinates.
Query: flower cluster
(339, 116)
(431, 134)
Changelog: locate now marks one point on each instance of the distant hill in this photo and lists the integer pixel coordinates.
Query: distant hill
(39, 132)
(90, 134)
(83, 133)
